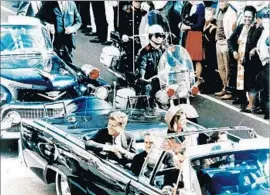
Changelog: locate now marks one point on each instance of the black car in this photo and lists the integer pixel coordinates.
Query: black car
(32, 74)
(54, 149)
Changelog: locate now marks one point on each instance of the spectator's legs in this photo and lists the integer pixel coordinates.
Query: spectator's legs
(221, 69)
(100, 19)
(251, 99)
(266, 92)
(109, 18)
(264, 80)
(92, 18)
(115, 12)
(85, 13)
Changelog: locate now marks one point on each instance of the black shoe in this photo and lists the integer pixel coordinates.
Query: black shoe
(82, 27)
(86, 30)
(90, 34)
(248, 110)
(258, 110)
(106, 43)
(96, 40)
(266, 117)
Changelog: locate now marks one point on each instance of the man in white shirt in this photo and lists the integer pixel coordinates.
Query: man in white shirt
(226, 23)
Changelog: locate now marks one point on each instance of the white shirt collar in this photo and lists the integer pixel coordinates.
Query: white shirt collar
(118, 139)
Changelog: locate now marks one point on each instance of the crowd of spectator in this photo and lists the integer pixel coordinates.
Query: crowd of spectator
(228, 41)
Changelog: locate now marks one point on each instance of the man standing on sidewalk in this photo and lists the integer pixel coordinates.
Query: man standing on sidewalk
(226, 23)
(63, 20)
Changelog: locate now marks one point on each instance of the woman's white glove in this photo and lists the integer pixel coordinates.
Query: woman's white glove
(125, 38)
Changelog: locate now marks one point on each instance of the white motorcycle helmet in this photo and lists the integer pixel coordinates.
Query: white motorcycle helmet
(155, 29)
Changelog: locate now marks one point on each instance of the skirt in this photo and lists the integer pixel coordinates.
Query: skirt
(194, 45)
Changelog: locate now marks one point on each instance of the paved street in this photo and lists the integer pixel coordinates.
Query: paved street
(16, 179)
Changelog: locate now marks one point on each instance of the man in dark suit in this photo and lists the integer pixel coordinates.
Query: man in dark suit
(63, 20)
(114, 140)
(138, 159)
(15, 40)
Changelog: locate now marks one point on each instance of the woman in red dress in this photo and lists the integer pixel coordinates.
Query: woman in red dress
(193, 24)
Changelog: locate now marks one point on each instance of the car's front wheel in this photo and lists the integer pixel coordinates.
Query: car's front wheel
(62, 185)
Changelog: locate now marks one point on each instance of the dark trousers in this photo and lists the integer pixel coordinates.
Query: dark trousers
(63, 47)
(263, 82)
(116, 15)
(85, 13)
(100, 19)
(84, 10)
(231, 88)
(150, 90)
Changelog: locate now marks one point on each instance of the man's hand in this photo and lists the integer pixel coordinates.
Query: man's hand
(258, 181)
(235, 55)
(114, 149)
(68, 30)
(50, 28)
(252, 53)
(183, 27)
(261, 180)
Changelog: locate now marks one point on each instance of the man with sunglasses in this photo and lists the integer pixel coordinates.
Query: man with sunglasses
(148, 60)
(118, 144)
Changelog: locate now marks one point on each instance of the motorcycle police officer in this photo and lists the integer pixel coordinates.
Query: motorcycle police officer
(130, 19)
(147, 62)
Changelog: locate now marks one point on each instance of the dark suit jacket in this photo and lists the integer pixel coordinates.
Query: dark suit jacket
(50, 12)
(137, 163)
(102, 138)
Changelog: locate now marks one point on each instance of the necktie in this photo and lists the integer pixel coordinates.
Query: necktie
(20, 43)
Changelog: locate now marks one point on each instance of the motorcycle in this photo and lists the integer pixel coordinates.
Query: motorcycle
(175, 70)
(117, 59)
(120, 64)
(176, 77)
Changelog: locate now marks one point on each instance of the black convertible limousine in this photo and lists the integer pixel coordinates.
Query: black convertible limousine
(54, 149)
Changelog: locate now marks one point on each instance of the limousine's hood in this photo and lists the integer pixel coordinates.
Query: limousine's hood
(31, 71)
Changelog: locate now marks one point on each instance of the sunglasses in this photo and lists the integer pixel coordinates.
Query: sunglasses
(161, 35)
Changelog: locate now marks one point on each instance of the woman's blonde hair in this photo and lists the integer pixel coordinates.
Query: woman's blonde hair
(119, 117)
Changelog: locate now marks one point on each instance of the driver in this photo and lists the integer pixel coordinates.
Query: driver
(258, 179)
(147, 62)
(14, 40)
(119, 144)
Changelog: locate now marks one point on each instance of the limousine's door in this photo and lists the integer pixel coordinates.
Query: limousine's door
(37, 149)
(106, 178)
(143, 185)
